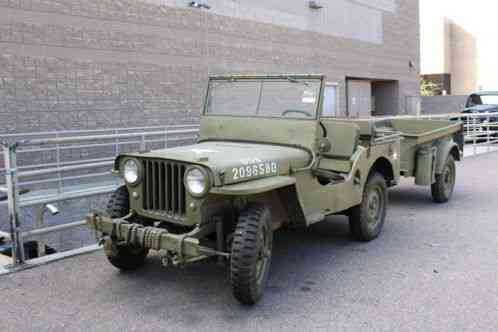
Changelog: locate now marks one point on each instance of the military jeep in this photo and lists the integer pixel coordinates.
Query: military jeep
(266, 157)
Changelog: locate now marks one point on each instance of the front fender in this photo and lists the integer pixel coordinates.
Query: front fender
(254, 187)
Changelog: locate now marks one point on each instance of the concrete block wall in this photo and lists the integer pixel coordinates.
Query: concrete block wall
(443, 104)
(86, 64)
(74, 64)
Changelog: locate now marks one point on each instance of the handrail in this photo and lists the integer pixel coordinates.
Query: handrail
(62, 169)
(77, 139)
(72, 132)
(65, 178)
(64, 196)
(97, 145)
(52, 229)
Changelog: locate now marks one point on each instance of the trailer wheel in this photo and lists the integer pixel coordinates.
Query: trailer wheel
(124, 257)
(251, 253)
(367, 219)
(442, 189)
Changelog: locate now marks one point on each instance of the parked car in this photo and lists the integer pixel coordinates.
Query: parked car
(481, 103)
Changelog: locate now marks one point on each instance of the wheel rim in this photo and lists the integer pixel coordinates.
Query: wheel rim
(375, 207)
(264, 254)
(448, 179)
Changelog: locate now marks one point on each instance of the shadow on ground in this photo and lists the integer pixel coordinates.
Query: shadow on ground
(301, 261)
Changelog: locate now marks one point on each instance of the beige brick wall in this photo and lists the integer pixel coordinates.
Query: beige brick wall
(68, 64)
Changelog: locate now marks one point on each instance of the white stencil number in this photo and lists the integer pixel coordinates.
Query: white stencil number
(259, 169)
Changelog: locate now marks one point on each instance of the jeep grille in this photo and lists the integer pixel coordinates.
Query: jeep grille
(163, 188)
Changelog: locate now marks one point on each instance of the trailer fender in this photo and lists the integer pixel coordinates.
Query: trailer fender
(444, 149)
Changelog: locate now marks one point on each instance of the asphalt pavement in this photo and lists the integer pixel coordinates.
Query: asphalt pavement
(434, 268)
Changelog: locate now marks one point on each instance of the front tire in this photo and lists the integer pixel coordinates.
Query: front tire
(124, 257)
(251, 254)
(367, 219)
(442, 189)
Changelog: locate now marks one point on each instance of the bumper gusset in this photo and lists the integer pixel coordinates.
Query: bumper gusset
(186, 246)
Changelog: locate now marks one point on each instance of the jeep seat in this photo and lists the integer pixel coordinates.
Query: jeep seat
(344, 138)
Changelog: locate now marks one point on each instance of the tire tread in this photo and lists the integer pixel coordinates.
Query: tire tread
(244, 253)
(437, 188)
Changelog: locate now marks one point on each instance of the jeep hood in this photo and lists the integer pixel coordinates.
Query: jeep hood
(234, 162)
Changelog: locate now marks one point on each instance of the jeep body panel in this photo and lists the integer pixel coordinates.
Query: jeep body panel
(225, 158)
(289, 132)
(255, 187)
(320, 200)
(227, 163)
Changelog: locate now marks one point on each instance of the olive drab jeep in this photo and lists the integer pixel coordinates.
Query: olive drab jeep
(267, 157)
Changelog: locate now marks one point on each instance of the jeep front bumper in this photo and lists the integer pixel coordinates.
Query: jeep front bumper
(184, 247)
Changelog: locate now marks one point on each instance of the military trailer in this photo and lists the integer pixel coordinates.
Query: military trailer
(266, 157)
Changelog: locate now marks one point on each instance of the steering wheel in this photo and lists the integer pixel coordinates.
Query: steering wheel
(284, 113)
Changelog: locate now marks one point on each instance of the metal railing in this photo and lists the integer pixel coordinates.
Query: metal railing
(481, 136)
(38, 183)
(480, 129)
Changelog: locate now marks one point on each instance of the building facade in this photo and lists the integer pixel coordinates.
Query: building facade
(74, 64)
(458, 45)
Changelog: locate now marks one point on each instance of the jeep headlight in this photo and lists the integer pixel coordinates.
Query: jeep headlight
(131, 173)
(197, 182)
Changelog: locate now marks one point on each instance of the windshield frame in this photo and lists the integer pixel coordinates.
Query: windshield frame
(318, 106)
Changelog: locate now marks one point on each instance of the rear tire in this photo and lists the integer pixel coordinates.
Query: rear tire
(367, 219)
(442, 189)
(251, 254)
(124, 257)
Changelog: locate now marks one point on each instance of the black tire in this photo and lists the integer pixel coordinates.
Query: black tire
(124, 257)
(442, 189)
(367, 219)
(118, 205)
(251, 254)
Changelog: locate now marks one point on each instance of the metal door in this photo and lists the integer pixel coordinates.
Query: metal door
(359, 98)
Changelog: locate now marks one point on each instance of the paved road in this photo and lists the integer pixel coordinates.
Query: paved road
(435, 268)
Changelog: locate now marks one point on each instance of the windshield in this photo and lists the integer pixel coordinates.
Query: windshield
(489, 100)
(281, 98)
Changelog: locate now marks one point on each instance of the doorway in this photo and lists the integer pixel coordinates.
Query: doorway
(372, 97)
(385, 98)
